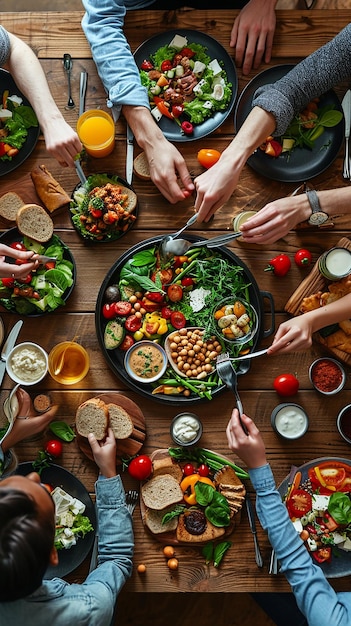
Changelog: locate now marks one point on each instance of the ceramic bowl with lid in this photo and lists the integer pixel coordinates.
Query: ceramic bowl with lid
(327, 376)
(289, 420)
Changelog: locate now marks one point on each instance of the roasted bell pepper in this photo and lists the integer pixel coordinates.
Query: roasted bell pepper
(188, 487)
(154, 324)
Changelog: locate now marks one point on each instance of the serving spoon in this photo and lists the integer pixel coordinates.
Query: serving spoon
(178, 247)
(168, 239)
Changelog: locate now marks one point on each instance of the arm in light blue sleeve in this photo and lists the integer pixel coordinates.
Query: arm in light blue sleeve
(103, 25)
(317, 600)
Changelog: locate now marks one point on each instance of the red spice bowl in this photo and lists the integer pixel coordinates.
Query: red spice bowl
(327, 376)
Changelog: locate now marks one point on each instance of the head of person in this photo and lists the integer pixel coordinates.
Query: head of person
(27, 531)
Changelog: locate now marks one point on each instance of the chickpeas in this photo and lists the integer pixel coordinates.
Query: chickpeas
(193, 356)
(169, 551)
(141, 569)
(172, 564)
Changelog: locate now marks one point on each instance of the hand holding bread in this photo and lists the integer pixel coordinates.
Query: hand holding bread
(104, 453)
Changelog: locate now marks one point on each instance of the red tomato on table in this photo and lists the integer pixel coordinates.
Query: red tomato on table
(54, 448)
(140, 467)
(286, 384)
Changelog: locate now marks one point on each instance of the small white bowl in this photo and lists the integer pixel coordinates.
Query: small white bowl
(339, 376)
(186, 429)
(145, 348)
(249, 310)
(27, 363)
(289, 420)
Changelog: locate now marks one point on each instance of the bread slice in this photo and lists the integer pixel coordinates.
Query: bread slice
(161, 491)
(153, 520)
(92, 417)
(34, 222)
(10, 203)
(120, 422)
(49, 190)
(132, 199)
(210, 533)
(167, 466)
(141, 167)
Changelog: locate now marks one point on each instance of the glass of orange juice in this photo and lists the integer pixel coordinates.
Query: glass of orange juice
(68, 362)
(96, 130)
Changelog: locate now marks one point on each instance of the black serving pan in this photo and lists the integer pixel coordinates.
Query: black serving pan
(115, 358)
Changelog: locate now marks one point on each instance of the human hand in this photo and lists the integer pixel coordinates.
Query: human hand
(293, 335)
(252, 34)
(29, 425)
(61, 141)
(250, 448)
(104, 453)
(11, 269)
(275, 220)
(214, 187)
(166, 169)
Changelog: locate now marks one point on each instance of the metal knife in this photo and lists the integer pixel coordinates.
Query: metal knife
(130, 153)
(8, 345)
(82, 91)
(346, 107)
(252, 522)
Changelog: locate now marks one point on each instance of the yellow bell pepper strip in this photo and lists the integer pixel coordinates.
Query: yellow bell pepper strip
(322, 481)
(188, 487)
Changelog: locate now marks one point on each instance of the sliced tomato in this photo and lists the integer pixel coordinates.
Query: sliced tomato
(187, 52)
(127, 342)
(109, 311)
(154, 296)
(164, 109)
(299, 503)
(166, 65)
(322, 555)
(178, 320)
(330, 476)
(149, 306)
(133, 323)
(165, 275)
(166, 312)
(123, 307)
(50, 265)
(18, 245)
(146, 65)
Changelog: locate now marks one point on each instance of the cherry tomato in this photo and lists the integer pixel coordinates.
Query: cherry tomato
(322, 555)
(203, 470)
(188, 469)
(177, 110)
(133, 323)
(178, 320)
(166, 65)
(109, 311)
(96, 213)
(146, 65)
(303, 258)
(273, 148)
(140, 467)
(18, 245)
(187, 128)
(127, 342)
(154, 296)
(208, 157)
(299, 503)
(175, 293)
(8, 281)
(187, 281)
(166, 312)
(286, 384)
(122, 307)
(26, 280)
(2, 149)
(54, 448)
(187, 52)
(279, 265)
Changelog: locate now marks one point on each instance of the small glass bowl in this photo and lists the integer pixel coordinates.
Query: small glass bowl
(145, 347)
(289, 420)
(336, 376)
(343, 422)
(217, 324)
(29, 377)
(186, 429)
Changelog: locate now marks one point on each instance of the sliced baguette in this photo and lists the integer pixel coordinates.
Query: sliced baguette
(210, 533)
(10, 204)
(153, 520)
(161, 491)
(120, 422)
(141, 167)
(34, 222)
(49, 189)
(92, 417)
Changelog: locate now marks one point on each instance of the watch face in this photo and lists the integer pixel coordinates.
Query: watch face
(318, 218)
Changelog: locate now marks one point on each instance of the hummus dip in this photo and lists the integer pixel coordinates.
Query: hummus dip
(146, 361)
(28, 364)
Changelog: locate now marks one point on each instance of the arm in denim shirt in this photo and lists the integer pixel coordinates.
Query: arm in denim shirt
(103, 27)
(317, 600)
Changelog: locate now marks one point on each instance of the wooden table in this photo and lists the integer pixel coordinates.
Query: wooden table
(298, 33)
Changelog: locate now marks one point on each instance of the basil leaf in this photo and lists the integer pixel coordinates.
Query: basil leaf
(178, 509)
(219, 552)
(62, 430)
(207, 552)
(204, 493)
(339, 507)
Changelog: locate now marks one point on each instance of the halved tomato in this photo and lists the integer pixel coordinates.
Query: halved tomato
(330, 476)
(299, 503)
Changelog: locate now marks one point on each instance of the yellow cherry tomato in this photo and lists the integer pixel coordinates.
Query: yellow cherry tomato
(208, 157)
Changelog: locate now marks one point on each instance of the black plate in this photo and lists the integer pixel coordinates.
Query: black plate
(7, 82)
(12, 235)
(124, 183)
(57, 476)
(214, 50)
(115, 358)
(340, 565)
(303, 163)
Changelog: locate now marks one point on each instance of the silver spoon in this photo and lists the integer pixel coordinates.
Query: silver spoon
(67, 64)
(169, 238)
(179, 247)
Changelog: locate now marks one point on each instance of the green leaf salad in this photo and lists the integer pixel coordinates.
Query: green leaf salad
(15, 120)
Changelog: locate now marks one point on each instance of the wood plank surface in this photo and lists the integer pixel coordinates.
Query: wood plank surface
(298, 33)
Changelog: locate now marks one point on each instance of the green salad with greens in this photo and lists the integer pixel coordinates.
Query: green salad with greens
(15, 120)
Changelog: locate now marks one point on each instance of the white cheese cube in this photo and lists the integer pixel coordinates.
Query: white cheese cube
(198, 86)
(207, 104)
(199, 68)
(320, 503)
(215, 67)
(178, 42)
(338, 537)
(66, 519)
(156, 113)
(346, 545)
(312, 544)
(297, 525)
(77, 506)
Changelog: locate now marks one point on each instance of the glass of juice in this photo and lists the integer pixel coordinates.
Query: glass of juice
(68, 362)
(96, 130)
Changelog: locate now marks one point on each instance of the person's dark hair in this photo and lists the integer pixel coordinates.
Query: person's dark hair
(26, 540)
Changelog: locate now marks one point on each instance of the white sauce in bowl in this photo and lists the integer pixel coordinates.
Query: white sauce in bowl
(28, 364)
(290, 421)
(185, 428)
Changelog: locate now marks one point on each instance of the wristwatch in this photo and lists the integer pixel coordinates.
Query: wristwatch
(317, 216)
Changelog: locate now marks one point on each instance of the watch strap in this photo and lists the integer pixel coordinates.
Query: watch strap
(313, 200)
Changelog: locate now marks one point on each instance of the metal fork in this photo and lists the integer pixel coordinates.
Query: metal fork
(228, 375)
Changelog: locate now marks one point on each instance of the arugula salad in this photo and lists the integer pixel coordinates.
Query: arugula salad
(43, 290)
(15, 120)
(185, 84)
(150, 300)
(71, 523)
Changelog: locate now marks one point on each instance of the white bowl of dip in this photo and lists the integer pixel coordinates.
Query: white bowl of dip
(27, 363)
(145, 361)
(186, 429)
(289, 420)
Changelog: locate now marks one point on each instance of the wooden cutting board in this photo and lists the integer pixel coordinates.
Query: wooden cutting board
(313, 283)
(125, 447)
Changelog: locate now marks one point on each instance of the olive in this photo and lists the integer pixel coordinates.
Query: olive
(112, 294)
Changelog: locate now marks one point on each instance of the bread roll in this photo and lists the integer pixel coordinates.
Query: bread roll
(34, 222)
(120, 422)
(92, 417)
(10, 203)
(141, 167)
(161, 491)
(50, 192)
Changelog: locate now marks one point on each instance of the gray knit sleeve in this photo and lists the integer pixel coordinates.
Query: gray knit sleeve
(4, 46)
(319, 72)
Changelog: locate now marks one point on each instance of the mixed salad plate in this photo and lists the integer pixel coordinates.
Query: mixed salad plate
(191, 82)
(19, 128)
(142, 299)
(303, 162)
(319, 504)
(44, 290)
(63, 482)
